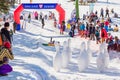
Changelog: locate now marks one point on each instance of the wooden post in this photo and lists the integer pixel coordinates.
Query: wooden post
(77, 9)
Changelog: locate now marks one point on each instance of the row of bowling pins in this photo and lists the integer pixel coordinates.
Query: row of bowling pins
(62, 59)
(86, 55)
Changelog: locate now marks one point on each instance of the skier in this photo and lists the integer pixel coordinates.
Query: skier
(43, 22)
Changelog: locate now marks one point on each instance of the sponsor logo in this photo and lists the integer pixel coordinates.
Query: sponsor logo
(41, 6)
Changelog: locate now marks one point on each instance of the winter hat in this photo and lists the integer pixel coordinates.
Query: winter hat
(7, 44)
(6, 24)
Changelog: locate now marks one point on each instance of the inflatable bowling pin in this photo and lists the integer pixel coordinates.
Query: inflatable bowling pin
(57, 61)
(89, 52)
(69, 50)
(65, 57)
(101, 60)
(106, 56)
(57, 46)
(83, 58)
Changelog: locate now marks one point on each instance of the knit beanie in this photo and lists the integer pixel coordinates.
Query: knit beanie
(7, 44)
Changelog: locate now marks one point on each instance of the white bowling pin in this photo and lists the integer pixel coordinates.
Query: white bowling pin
(83, 58)
(57, 46)
(65, 57)
(69, 50)
(106, 56)
(89, 52)
(101, 60)
(57, 61)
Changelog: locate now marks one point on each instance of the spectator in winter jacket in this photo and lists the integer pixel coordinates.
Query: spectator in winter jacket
(92, 32)
(107, 12)
(106, 23)
(82, 29)
(5, 32)
(106, 28)
(109, 38)
(29, 18)
(109, 28)
(109, 19)
(101, 12)
(62, 27)
(110, 44)
(97, 34)
(103, 34)
(71, 33)
(117, 44)
(112, 10)
(86, 30)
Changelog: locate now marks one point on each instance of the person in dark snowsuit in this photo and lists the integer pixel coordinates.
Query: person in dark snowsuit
(5, 32)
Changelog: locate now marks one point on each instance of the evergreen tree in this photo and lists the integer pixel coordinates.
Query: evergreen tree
(4, 6)
(12, 3)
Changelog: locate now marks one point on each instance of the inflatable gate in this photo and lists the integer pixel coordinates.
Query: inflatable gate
(23, 6)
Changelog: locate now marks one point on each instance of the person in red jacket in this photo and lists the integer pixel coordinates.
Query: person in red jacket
(107, 23)
(103, 34)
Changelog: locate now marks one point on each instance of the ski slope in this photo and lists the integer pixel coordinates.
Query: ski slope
(33, 61)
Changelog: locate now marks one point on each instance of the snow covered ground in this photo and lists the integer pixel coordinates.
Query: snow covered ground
(33, 61)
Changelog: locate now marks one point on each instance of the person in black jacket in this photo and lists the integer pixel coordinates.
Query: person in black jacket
(5, 32)
(92, 32)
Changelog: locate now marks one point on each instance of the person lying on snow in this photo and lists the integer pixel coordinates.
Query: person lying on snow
(5, 55)
(116, 29)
